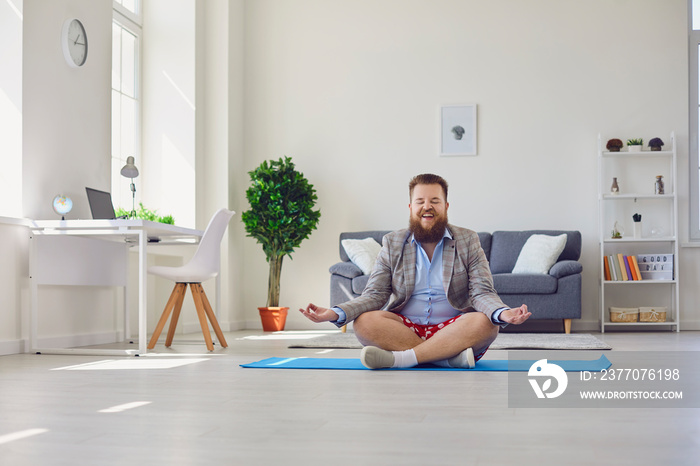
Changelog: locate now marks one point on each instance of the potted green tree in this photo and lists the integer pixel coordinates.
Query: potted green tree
(281, 216)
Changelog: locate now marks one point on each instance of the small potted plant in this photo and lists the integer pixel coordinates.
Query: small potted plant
(617, 231)
(635, 145)
(281, 216)
(614, 145)
(145, 214)
(655, 144)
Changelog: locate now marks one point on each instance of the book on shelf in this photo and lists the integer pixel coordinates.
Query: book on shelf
(606, 269)
(633, 267)
(622, 268)
(613, 269)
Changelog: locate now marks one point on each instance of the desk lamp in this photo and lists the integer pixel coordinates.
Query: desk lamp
(130, 171)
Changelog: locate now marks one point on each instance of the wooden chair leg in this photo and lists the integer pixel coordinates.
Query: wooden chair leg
(212, 317)
(179, 287)
(176, 316)
(567, 325)
(199, 305)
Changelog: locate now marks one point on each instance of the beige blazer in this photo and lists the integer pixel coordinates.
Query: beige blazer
(465, 275)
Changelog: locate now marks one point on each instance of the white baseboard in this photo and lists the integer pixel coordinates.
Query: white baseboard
(68, 341)
(87, 339)
(11, 347)
(690, 325)
(235, 326)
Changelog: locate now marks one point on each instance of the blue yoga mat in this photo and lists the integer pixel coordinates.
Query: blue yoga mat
(501, 365)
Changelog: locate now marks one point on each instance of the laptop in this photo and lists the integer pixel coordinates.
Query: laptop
(100, 204)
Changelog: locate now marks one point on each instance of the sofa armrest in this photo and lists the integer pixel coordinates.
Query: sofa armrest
(345, 269)
(565, 268)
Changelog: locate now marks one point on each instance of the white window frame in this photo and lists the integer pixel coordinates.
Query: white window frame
(132, 22)
(133, 16)
(694, 121)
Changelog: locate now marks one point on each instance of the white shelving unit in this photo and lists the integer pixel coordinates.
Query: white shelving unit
(636, 174)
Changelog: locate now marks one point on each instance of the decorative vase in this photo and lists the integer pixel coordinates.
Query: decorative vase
(614, 189)
(659, 185)
(634, 148)
(273, 318)
(638, 230)
(656, 148)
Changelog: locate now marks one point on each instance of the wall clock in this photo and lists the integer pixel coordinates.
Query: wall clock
(74, 42)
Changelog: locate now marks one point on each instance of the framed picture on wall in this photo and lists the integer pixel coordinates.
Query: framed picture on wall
(457, 130)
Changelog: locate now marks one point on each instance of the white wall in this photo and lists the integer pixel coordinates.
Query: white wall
(352, 89)
(219, 145)
(66, 139)
(237, 177)
(66, 116)
(169, 104)
(14, 282)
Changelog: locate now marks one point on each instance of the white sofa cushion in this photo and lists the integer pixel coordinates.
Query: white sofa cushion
(362, 252)
(539, 254)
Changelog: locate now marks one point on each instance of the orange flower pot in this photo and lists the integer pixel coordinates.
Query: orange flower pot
(273, 318)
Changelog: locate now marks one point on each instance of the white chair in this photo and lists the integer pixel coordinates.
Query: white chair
(203, 266)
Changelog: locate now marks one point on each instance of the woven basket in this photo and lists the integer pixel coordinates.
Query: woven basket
(624, 314)
(652, 314)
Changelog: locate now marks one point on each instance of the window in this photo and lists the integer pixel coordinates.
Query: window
(694, 117)
(126, 122)
(11, 109)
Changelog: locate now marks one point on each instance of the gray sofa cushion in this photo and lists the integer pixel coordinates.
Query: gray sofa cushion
(506, 247)
(345, 269)
(485, 240)
(359, 284)
(565, 268)
(510, 283)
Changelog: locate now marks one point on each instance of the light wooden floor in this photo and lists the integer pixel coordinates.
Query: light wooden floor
(211, 411)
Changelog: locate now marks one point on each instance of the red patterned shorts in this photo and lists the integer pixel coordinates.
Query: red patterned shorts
(427, 331)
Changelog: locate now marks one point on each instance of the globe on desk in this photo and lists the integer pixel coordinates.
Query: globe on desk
(62, 205)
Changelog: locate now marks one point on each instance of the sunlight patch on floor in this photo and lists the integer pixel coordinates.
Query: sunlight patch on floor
(125, 407)
(135, 363)
(7, 438)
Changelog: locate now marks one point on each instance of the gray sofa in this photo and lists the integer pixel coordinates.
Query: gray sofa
(556, 295)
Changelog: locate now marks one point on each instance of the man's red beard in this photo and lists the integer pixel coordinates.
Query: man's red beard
(428, 235)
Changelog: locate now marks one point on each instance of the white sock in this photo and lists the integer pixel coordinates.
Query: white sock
(405, 358)
(442, 363)
(463, 360)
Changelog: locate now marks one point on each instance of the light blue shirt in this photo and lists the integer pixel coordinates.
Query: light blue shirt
(428, 304)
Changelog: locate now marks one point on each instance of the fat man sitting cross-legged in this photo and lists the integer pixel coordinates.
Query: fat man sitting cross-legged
(434, 281)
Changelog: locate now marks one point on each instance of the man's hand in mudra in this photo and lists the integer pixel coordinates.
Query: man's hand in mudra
(516, 315)
(320, 314)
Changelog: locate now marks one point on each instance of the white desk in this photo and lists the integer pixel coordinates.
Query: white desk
(48, 267)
